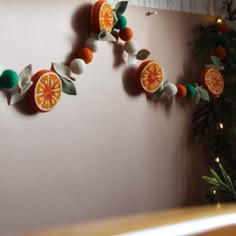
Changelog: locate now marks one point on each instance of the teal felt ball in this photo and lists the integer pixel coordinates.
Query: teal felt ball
(220, 39)
(191, 91)
(8, 79)
(121, 23)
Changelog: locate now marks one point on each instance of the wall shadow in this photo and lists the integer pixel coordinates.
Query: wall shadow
(81, 25)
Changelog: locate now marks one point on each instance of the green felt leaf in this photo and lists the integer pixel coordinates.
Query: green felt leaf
(143, 54)
(197, 97)
(121, 7)
(115, 19)
(61, 70)
(25, 82)
(102, 34)
(217, 62)
(204, 95)
(109, 37)
(68, 86)
(214, 66)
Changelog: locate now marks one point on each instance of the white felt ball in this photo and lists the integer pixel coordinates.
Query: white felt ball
(77, 66)
(92, 43)
(131, 47)
(170, 89)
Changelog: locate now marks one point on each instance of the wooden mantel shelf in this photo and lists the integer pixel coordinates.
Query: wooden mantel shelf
(190, 221)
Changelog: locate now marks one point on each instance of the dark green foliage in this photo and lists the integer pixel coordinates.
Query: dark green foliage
(208, 118)
(227, 5)
(221, 182)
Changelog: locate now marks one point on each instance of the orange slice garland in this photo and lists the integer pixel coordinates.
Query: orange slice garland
(212, 80)
(150, 76)
(101, 17)
(45, 92)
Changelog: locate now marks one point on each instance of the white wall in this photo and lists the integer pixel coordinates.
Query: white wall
(107, 151)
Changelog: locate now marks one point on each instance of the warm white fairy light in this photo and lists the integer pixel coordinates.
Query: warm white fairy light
(214, 192)
(217, 160)
(219, 21)
(221, 125)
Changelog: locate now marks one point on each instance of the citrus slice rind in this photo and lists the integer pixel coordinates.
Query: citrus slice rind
(46, 91)
(213, 81)
(102, 17)
(151, 77)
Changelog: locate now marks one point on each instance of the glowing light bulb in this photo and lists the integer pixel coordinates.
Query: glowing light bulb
(214, 192)
(221, 125)
(219, 21)
(217, 160)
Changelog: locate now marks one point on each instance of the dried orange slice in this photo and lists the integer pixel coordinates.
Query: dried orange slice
(150, 76)
(45, 92)
(212, 81)
(101, 17)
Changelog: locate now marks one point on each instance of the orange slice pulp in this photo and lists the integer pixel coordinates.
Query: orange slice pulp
(46, 91)
(213, 81)
(150, 75)
(102, 17)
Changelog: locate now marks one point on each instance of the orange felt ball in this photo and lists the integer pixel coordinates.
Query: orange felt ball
(126, 34)
(85, 54)
(182, 91)
(220, 52)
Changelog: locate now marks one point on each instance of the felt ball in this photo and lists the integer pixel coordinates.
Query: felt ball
(182, 91)
(131, 47)
(222, 28)
(220, 52)
(92, 43)
(121, 23)
(170, 89)
(220, 39)
(9, 79)
(85, 54)
(191, 91)
(77, 66)
(126, 34)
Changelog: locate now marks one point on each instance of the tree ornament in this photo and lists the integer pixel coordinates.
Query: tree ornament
(85, 54)
(220, 39)
(121, 23)
(170, 89)
(45, 92)
(182, 91)
(212, 80)
(92, 43)
(220, 52)
(77, 66)
(101, 17)
(126, 34)
(149, 76)
(131, 47)
(191, 91)
(222, 28)
(9, 79)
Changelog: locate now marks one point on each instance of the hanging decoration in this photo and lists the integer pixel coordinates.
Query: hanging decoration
(43, 90)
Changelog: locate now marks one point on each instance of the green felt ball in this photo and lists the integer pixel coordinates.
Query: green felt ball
(8, 79)
(191, 91)
(220, 39)
(121, 23)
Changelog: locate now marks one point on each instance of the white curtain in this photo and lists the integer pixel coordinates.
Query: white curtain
(206, 7)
